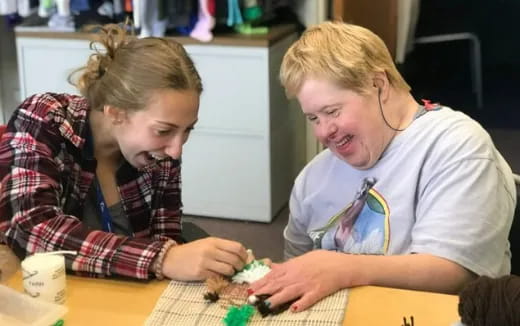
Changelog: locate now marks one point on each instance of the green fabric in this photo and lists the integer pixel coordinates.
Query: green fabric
(48, 3)
(238, 316)
(250, 30)
(252, 13)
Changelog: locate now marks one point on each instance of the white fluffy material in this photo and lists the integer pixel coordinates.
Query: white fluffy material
(251, 273)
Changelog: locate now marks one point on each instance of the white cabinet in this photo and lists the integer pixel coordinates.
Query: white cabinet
(239, 162)
(45, 64)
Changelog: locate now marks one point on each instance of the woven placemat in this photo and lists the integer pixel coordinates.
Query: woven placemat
(183, 304)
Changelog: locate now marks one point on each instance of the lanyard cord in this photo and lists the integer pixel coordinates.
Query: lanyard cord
(106, 217)
(422, 110)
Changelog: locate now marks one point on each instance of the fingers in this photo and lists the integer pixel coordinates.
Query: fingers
(233, 247)
(221, 268)
(267, 261)
(301, 300)
(271, 283)
(204, 275)
(269, 278)
(222, 256)
(233, 261)
(306, 301)
(284, 295)
(250, 256)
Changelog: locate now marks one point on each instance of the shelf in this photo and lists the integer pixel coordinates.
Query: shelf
(275, 34)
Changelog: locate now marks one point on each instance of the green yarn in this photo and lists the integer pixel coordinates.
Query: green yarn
(238, 316)
(253, 264)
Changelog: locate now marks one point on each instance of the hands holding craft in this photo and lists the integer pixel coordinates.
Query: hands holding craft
(296, 284)
(205, 258)
(303, 280)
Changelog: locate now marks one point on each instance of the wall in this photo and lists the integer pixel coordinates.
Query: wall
(311, 11)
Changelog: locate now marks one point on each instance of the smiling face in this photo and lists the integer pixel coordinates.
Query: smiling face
(160, 129)
(346, 122)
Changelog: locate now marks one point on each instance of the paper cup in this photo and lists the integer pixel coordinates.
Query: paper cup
(44, 277)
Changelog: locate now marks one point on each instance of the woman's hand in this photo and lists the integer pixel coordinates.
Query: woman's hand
(316, 274)
(204, 258)
(306, 279)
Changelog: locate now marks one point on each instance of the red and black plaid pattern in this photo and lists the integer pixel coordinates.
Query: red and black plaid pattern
(45, 176)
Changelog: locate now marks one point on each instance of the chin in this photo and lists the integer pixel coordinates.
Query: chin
(362, 167)
(133, 161)
(358, 165)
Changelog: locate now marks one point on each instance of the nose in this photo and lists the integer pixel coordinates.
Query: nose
(174, 148)
(325, 129)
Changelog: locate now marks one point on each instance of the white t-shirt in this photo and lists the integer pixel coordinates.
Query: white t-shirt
(441, 188)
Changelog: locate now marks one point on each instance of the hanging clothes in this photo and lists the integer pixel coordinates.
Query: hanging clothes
(63, 7)
(151, 25)
(8, 7)
(221, 12)
(46, 8)
(234, 14)
(79, 5)
(205, 23)
(178, 12)
(25, 8)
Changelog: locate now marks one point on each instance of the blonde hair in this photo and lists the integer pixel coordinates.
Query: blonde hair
(344, 53)
(125, 71)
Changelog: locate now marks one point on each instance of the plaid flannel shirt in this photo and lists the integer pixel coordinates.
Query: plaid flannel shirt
(45, 176)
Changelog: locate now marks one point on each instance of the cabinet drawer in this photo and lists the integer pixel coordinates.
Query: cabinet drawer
(226, 176)
(236, 89)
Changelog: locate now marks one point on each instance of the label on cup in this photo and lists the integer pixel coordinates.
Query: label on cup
(44, 277)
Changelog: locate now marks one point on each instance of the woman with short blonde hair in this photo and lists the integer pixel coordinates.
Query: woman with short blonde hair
(405, 195)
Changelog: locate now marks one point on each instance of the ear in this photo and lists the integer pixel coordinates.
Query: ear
(381, 84)
(114, 114)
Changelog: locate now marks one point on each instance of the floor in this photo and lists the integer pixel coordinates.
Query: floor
(265, 239)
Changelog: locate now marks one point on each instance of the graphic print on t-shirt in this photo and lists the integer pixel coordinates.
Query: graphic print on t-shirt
(360, 228)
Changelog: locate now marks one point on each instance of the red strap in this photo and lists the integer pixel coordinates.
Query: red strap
(428, 105)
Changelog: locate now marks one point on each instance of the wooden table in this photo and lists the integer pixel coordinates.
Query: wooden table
(115, 302)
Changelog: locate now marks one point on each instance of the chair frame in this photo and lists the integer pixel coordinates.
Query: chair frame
(475, 58)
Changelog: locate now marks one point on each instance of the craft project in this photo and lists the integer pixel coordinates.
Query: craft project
(225, 301)
(233, 296)
(183, 304)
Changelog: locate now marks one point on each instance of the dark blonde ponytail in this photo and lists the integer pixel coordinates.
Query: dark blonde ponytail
(124, 70)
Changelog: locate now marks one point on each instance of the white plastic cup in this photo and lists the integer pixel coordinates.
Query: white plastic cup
(44, 277)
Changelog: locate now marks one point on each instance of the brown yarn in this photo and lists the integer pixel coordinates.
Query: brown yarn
(234, 295)
(216, 284)
(225, 292)
(491, 302)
